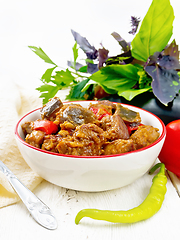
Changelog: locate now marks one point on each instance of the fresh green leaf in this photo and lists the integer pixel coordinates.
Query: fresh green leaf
(41, 54)
(63, 78)
(76, 91)
(75, 54)
(83, 69)
(118, 59)
(155, 30)
(144, 79)
(48, 91)
(46, 77)
(108, 90)
(123, 58)
(116, 77)
(88, 84)
(131, 93)
(89, 60)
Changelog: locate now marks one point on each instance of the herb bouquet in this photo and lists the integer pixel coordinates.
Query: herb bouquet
(147, 69)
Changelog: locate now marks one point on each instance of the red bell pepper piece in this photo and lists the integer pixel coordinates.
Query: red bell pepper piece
(170, 153)
(100, 112)
(45, 126)
(132, 127)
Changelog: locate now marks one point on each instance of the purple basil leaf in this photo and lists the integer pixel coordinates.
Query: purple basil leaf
(165, 83)
(92, 68)
(172, 50)
(125, 46)
(155, 58)
(92, 55)
(78, 65)
(90, 51)
(134, 24)
(103, 56)
(168, 62)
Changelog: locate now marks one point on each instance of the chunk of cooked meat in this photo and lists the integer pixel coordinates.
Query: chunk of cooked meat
(87, 140)
(89, 132)
(75, 114)
(67, 126)
(50, 142)
(144, 136)
(65, 133)
(114, 127)
(68, 147)
(27, 128)
(35, 138)
(118, 146)
(49, 110)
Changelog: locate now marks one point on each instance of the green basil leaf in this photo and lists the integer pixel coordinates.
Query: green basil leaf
(116, 77)
(41, 54)
(88, 84)
(76, 91)
(155, 30)
(131, 93)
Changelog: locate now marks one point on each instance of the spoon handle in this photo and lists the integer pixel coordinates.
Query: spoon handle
(39, 211)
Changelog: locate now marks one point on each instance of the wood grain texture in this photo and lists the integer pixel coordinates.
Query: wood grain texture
(175, 181)
(15, 221)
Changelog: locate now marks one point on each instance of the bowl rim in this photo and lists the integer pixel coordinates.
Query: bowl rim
(163, 134)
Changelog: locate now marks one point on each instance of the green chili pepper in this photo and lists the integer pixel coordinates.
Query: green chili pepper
(145, 210)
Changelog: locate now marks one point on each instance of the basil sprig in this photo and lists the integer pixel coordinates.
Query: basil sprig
(148, 63)
(155, 31)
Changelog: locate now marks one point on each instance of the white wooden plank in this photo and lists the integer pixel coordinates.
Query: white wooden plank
(16, 222)
(176, 181)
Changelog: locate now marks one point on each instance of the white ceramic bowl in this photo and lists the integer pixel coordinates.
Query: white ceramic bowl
(91, 173)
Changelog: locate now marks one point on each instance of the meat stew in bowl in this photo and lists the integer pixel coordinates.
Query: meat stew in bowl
(103, 128)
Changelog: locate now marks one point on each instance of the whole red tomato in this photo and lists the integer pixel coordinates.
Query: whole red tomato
(170, 153)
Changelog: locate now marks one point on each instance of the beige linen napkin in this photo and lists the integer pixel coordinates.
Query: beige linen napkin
(14, 102)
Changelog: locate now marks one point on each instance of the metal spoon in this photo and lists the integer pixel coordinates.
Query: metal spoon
(39, 211)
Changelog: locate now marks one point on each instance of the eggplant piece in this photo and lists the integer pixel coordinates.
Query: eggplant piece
(76, 114)
(126, 114)
(50, 107)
